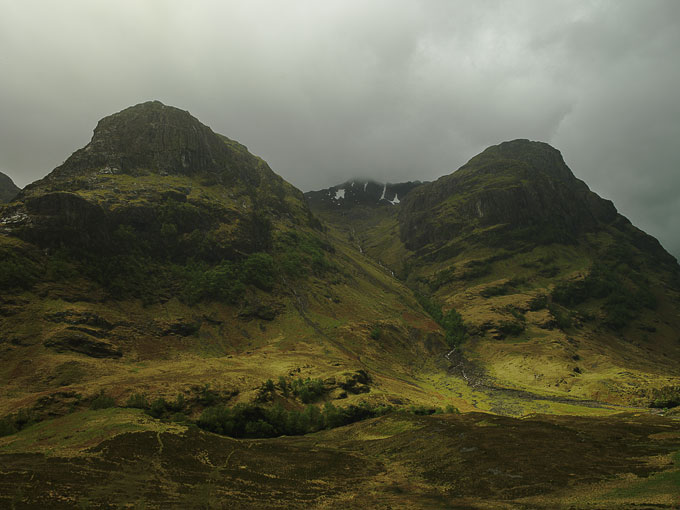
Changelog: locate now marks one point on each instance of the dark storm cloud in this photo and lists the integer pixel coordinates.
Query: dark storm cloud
(329, 90)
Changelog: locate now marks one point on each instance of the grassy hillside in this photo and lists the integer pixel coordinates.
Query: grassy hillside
(560, 295)
(176, 280)
(397, 461)
(179, 330)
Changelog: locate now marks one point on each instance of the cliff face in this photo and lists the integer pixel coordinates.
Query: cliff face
(8, 190)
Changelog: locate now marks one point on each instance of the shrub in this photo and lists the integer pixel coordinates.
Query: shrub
(259, 270)
(298, 253)
(538, 303)
(17, 271)
(137, 401)
(266, 391)
(451, 321)
(666, 397)
(455, 328)
(102, 401)
(252, 421)
(375, 333)
(221, 283)
(441, 278)
(511, 328)
(422, 410)
(308, 390)
(158, 408)
(179, 403)
(207, 397)
(283, 385)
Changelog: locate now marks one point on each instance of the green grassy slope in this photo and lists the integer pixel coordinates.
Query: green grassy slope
(397, 461)
(561, 295)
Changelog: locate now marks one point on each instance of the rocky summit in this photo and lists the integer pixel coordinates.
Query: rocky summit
(182, 328)
(153, 137)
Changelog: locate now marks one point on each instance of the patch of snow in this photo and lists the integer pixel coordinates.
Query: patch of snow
(396, 199)
(340, 194)
(352, 185)
(382, 197)
(365, 184)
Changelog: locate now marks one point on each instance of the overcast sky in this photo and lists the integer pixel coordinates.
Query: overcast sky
(389, 89)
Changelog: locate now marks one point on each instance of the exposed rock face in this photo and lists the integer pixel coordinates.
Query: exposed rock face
(515, 185)
(359, 192)
(8, 190)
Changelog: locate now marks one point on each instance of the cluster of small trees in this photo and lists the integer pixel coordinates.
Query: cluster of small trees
(251, 421)
(307, 390)
(451, 321)
(158, 408)
(666, 397)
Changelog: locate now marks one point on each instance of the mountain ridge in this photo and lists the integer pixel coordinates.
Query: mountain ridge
(164, 288)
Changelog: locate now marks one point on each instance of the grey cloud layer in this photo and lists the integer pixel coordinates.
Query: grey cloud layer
(391, 90)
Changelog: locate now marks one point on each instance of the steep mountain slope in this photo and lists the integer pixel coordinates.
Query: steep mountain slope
(560, 293)
(8, 190)
(163, 257)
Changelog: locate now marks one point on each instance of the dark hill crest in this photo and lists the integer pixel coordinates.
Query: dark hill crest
(154, 138)
(148, 163)
(516, 185)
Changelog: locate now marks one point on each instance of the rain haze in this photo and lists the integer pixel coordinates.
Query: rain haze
(327, 91)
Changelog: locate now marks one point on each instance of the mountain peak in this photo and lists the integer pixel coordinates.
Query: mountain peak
(526, 156)
(518, 186)
(153, 137)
